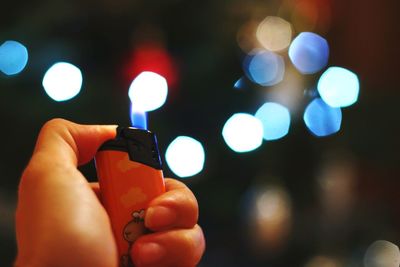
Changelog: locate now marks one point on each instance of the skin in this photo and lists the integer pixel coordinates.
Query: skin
(60, 220)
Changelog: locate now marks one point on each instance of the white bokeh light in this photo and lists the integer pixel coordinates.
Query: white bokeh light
(148, 91)
(185, 156)
(382, 253)
(243, 132)
(274, 33)
(62, 81)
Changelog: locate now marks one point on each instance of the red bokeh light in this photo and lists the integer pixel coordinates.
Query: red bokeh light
(152, 57)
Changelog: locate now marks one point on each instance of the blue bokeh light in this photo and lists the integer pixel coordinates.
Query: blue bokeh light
(309, 52)
(339, 87)
(264, 67)
(138, 118)
(240, 84)
(322, 119)
(13, 57)
(275, 119)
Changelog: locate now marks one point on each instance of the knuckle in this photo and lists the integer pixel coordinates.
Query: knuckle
(195, 245)
(32, 172)
(192, 209)
(55, 123)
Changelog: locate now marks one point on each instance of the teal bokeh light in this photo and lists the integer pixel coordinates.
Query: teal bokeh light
(13, 57)
(339, 87)
(275, 119)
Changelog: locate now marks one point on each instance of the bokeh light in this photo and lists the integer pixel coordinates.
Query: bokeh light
(243, 132)
(309, 52)
(62, 81)
(13, 57)
(273, 206)
(382, 254)
(339, 87)
(152, 56)
(322, 119)
(148, 91)
(274, 33)
(304, 15)
(138, 118)
(337, 179)
(185, 156)
(239, 84)
(271, 218)
(264, 67)
(323, 261)
(275, 119)
(246, 36)
(289, 92)
(309, 15)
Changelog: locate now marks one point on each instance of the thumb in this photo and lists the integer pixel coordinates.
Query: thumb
(72, 143)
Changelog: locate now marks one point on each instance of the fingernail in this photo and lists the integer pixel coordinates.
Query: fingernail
(150, 253)
(160, 216)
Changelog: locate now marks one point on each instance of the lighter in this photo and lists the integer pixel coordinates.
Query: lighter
(130, 176)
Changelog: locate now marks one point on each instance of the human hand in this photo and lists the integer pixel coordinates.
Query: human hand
(60, 221)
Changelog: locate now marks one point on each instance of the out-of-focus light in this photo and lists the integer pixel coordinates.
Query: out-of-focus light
(271, 218)
(322, 119)
(338, 87)
(148, 91)
(138, 118)
(289, 92)
(275, 119)
(337, 178)
(246, 36)
(264, 67)
(13, 57)
(185, 156)
(152, 56)
(305, 15)
(243, 132)
(323, 261)
(273, 205)
(274, 33)
(382, 254)
(239, 84)
(309, 52)
(62, 81)
(310, 15)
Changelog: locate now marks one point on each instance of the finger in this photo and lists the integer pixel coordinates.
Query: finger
(96, 189)
(164, 249)
(176, 208)
(69, 142)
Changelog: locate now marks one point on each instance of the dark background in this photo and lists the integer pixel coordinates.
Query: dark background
(101, 37)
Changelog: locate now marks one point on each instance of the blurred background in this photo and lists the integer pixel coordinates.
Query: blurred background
(286, 112)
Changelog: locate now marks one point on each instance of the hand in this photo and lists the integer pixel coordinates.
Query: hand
(61, 222)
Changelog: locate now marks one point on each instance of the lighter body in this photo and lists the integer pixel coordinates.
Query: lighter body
(130, 176)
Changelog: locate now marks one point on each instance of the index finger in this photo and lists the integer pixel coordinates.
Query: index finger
(176, 208)
(73, 143)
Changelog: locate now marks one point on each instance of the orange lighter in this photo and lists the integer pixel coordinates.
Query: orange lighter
(130, 176)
